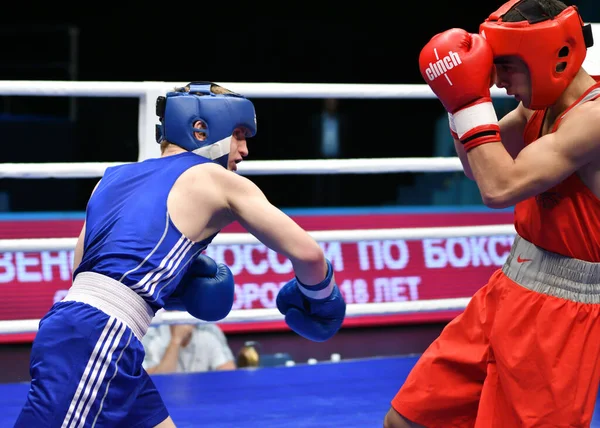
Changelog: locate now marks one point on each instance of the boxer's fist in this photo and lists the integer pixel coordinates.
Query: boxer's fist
(459, 69)
(206, 290)
(314, 312)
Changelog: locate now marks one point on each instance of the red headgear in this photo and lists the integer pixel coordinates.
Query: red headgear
(553, 48)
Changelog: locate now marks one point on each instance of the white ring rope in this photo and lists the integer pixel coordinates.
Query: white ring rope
(57, 244)
(55, 170)
(250, 89)
(274, 167)
(260, 315)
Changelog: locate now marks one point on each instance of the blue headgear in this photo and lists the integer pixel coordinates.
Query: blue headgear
(221, 113)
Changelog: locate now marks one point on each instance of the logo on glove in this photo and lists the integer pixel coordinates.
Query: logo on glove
(442, 65)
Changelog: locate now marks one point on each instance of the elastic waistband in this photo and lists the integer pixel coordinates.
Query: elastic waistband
(553, 274)
(112, 298)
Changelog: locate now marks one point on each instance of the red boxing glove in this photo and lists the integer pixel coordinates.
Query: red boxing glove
(458, 66)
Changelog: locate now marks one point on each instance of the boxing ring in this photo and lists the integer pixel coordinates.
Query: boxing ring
(349, 393)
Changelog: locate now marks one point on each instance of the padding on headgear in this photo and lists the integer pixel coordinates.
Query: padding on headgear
(221, 113)
(552, 47)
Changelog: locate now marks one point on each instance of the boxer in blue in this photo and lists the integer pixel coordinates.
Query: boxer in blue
(139, 250)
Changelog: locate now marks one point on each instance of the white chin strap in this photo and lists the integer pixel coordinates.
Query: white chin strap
(215, 150)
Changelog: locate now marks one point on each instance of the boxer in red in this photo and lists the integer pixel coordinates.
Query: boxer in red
(525, 352)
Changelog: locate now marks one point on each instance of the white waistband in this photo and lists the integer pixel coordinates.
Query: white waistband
(550, 273)
(112, 298)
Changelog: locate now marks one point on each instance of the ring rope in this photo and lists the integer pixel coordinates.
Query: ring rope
(249, 89)
(57, 244)
(260, 315)
(266, 167)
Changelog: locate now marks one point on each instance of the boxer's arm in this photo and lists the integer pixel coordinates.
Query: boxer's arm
(512, 126)
(249, 206)
(504, 181)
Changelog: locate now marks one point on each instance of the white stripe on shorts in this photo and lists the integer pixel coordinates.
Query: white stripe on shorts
(94, 373)
(110, 380)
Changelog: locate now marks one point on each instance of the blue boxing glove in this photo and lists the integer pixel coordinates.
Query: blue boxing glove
(315, 312)
(206, 291)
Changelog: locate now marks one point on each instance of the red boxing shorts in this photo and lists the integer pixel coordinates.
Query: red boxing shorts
(524, 353)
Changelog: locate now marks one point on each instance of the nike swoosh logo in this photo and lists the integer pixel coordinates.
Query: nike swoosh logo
(520, 260)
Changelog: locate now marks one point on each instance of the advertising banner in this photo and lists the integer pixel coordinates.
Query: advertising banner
(366, 271)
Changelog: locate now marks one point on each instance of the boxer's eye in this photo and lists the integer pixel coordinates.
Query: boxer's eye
(240, 133)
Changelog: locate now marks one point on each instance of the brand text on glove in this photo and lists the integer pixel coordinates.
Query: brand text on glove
(442, 65)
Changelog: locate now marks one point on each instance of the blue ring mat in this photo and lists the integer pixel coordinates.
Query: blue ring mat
(350, 393)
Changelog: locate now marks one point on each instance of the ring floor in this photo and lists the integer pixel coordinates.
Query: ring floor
(353, 393)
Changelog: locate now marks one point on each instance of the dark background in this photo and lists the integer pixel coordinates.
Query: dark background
(328, 43)
(223, 42)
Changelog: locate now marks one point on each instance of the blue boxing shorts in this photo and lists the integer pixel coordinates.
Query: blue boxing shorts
(86, 363)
